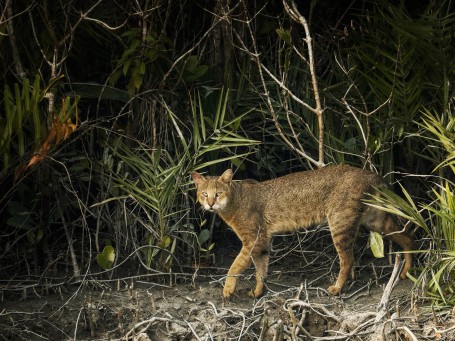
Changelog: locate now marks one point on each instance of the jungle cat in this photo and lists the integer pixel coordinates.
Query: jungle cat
(257, 210)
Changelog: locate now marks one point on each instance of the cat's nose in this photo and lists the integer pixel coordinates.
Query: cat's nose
(209, 208)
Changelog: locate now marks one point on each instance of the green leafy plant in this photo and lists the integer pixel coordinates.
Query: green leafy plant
(144, 56)
(385, 76)
(21, 110)
(436, 218)
(442, 131)
(156, 180)
(438, 227)
(204, 241)
(25, 118)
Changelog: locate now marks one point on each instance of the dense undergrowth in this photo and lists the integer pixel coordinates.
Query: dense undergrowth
(108, 108)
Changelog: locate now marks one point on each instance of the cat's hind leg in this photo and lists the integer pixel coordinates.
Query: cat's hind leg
(261, 263)
(343, 235)
(406, 242)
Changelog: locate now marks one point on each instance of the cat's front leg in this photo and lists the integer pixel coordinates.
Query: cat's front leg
(241, 263)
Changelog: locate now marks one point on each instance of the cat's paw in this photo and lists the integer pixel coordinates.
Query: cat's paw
(227, 293)
(333, 290)
(255, 293)
(229, 288)
(404, 274)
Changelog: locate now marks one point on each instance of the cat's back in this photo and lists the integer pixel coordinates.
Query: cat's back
(325, 187)
(339, 176)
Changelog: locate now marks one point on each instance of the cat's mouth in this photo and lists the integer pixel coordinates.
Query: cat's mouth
(210, 208)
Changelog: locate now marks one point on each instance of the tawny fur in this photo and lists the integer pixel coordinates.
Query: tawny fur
(257, 210)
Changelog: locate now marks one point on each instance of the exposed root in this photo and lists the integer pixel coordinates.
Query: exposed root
(143, 308)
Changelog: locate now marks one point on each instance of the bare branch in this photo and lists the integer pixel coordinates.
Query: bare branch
(202, 39)
(366, 132)
(12, 38)
(382, 306)
(289, 92)
(296, 16)
(102, 23)
(254, 54)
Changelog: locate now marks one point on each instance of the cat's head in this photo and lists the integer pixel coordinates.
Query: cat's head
(213, 191)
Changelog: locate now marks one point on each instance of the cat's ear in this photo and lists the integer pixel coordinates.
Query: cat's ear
(226, 177)
(197, 178)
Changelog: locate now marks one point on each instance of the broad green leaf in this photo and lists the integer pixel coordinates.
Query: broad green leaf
(191, 64)
(137, 80)
(20, 221)
(106, 258)
(165, 242)
(203, 236)
(285, 35)
(376, 244)
(141, 68)
(34, 238)
(126, 67)
(16, 208)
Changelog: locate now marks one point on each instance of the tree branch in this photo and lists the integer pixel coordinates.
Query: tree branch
(296, 16)
(12, 38)
(254, 54)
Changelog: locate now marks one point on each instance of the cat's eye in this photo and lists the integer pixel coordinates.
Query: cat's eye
(217, 194)
(204, 194)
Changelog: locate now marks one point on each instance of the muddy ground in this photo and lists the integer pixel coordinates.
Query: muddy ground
(188, 305)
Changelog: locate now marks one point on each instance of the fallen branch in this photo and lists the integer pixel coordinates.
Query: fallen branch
(382, 307)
